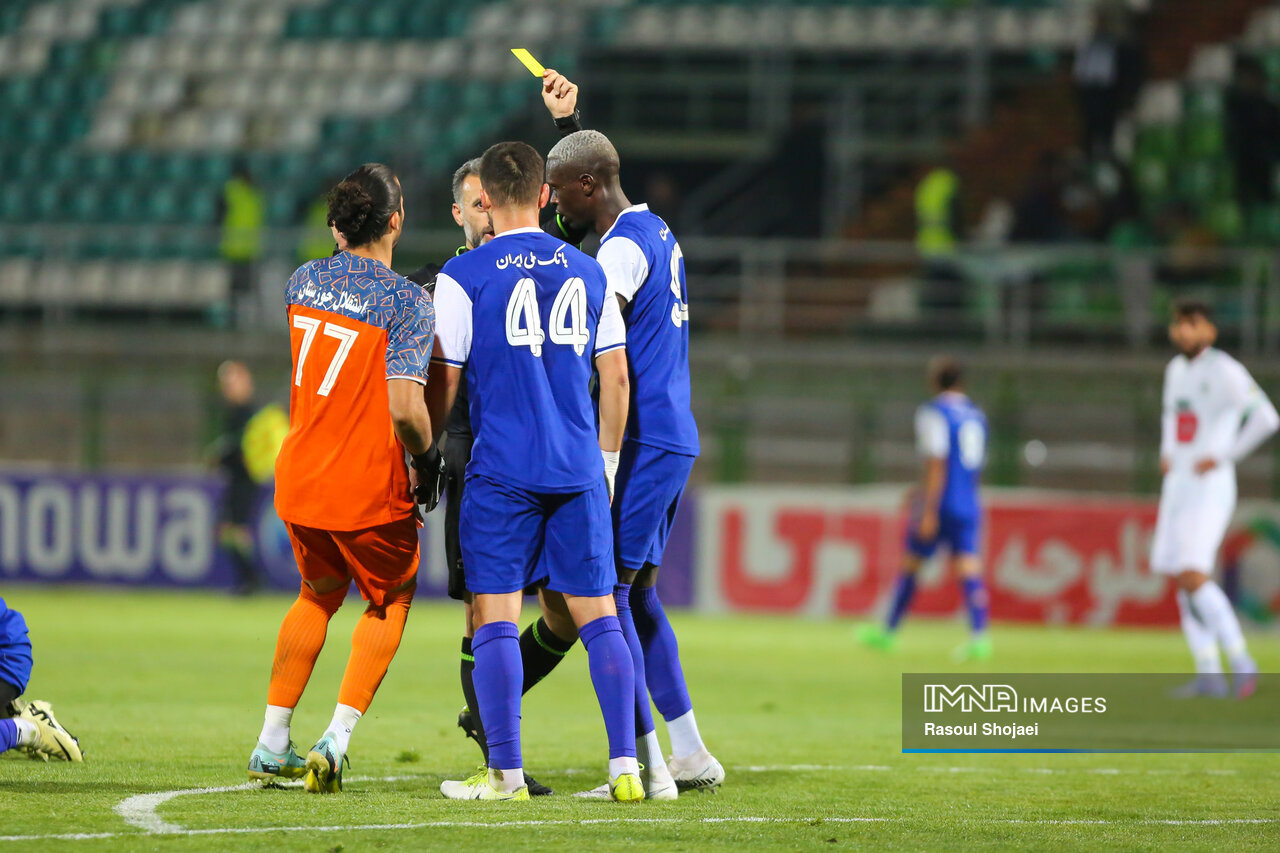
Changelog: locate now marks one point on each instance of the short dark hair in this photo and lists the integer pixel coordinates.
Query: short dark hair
(1187, 309)
(466, 170)
(512, 174)
(362, 204)
(946, 372)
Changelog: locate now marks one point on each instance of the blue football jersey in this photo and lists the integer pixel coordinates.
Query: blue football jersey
(644, 265)
(952, 427)
(526, 315)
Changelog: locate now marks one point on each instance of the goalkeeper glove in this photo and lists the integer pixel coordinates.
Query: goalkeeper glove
(429, 467)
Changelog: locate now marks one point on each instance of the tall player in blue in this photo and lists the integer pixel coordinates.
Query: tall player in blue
(527, 316)
(951, 435)
(645, 268)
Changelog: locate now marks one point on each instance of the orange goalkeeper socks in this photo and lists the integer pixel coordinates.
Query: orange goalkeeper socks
(373, 645)
(298, 645)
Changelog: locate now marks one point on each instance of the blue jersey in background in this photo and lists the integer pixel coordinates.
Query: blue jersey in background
(952, 427)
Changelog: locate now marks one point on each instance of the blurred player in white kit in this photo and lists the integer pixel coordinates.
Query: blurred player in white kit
(1214, 415)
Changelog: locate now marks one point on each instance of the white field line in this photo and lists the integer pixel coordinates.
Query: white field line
(140, 810)
(503, 824)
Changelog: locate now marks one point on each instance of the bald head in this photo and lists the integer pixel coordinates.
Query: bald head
(586, 152)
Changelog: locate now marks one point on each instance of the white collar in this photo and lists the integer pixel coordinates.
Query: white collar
(528, 229)
(635, 208)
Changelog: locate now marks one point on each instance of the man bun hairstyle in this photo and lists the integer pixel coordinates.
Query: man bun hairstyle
(361, 206)
(512, 174)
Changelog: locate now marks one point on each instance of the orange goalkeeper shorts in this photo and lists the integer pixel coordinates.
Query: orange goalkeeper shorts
(379, 559)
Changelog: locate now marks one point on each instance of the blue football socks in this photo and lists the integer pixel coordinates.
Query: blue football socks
(613, 676)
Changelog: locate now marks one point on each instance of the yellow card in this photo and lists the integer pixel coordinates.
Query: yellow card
(526, 59)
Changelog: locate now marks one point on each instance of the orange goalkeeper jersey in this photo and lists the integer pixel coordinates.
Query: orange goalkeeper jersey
(353, 324)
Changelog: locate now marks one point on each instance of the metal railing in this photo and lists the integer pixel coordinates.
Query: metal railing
(1012, 296)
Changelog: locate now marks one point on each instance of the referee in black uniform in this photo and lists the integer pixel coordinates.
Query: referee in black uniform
(541, 648)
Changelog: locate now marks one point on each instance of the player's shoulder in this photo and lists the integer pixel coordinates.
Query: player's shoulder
(1224, 360)
(641, 225)
(1176, 364)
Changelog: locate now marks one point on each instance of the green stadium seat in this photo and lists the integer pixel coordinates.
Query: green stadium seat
(1203, 137)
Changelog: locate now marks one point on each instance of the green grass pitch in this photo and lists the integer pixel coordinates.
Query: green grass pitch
(166, 692)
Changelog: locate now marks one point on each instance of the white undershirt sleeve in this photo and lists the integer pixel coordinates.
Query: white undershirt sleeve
(611, 332)
(933, 440)
(453, 322)
(625, 266)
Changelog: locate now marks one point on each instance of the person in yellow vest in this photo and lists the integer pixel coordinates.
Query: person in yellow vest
(938, 233)
(243, 216)
(317, 238)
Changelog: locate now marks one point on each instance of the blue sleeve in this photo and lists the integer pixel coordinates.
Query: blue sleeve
(411, 334)
(15, 649)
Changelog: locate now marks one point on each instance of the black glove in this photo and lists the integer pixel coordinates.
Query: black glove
(429, 467)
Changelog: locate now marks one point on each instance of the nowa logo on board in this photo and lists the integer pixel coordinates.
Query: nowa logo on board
(967, 698)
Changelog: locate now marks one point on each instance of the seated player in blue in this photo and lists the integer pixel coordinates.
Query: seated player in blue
(29, 726)
(526, 316)
(645, 269)
(951, 435)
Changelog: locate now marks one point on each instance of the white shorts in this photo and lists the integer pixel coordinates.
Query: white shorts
(1193, 519)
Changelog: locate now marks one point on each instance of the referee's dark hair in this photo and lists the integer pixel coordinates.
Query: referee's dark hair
(1188, 309)
(511, 173)
(946, 372)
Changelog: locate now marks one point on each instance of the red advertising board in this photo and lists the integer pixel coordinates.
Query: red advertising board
(835, 552)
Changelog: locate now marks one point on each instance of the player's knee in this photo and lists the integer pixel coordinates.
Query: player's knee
(627, 576)
(648, 576)
(328, 593)
(1191, 580)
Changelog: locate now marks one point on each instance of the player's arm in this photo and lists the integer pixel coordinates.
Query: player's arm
(1260, 418)
(560, 95)
(409, 415)
(933, 442)
(625, 268)
(615, 386)
(1168, 422)
(452, 349)
(442, 389)
(409, 343)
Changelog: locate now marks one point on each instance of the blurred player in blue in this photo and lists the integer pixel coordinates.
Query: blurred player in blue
(645, 269)
(527, 317)
(29, 726)
(951, 436)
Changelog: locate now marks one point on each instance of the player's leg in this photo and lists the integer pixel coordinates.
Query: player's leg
(647, 493)
(1199, 539)
(1209, 680)
(457, 452)
(298, 644)
(961, 537)
(1214, 611)
(967, 568)
(692, 766)
(30, 726)
(546, 642)
(383, 562)
(904, 590)
(579, 549)
(501, 534)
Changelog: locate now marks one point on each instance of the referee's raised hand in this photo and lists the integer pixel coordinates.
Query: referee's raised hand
(559, 93)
